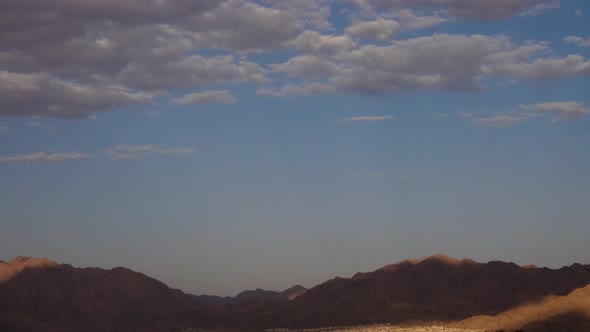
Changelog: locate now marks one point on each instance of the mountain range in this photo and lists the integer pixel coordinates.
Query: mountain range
(42, 295)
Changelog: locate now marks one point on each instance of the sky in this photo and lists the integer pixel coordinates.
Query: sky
(227, 145)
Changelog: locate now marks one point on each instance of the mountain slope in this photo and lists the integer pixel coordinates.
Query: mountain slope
(436, 288)
(42, 293)
(553, 313)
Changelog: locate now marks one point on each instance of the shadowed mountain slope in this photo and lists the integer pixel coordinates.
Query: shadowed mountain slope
(43, 295)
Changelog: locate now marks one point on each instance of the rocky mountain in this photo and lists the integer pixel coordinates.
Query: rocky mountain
(431, 289)
(39, 294)
(43, 295)
(254, 295)
(553, 313)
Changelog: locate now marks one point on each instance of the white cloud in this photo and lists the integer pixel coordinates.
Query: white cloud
(314, 42)
(310, 89)
(584, 42)
(380, 30)
(206, 97)
(125, 152)
(307, 67)
(45, 158)
(41, 94)
(499, 121)
(119, 152)
(561, 110)
(411, 21)
(542, 7)
(483, 10)
(368, 118)
(579, 12)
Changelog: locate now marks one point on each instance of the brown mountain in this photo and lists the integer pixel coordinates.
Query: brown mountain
(43, 295)
(254, 295)
(436, 288)
(39, 294)
(553, 313)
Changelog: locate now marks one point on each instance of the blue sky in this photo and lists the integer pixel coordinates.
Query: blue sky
(232, 145)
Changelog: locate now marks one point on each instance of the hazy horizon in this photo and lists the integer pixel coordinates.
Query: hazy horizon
(229, 145)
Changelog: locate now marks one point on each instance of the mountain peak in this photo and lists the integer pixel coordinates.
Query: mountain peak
(441, 258)
(20, 263)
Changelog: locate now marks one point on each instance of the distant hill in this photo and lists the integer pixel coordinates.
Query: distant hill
(39, 294)
(254, 295)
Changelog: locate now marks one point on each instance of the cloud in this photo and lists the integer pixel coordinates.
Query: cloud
(190, 72)
(120, 152)
(307, 67)
(3, 130)
(480, 10)
(583, 42)
(316, 43)
(411, 21)
(561, 110)
(438, 62)
(499, 121)
(542, 7)
(41, 94)
(125, 152)
(291, 90)
(579, 12)
(368, 118)
(380, 30)
(45, 158)
(206, 97)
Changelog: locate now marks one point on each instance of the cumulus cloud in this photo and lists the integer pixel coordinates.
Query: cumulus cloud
(191, 71)
(498, 121)
(584, 42)
(41, 94)
(291, 90)
(561, 110)
(481, 10)
(307, 67)
(373, 118)
(411, 21)
(380, 30)
(206, 97)
(437, 62)
(314, 42)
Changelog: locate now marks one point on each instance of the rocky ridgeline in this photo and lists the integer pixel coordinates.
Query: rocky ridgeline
(380, 328)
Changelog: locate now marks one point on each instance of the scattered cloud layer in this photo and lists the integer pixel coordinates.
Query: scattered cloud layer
(120, 152)
(96, 56)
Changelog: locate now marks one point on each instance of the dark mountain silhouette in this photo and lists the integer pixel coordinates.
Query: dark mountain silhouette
(254, 295)
(436, 288)
(43, 295)
(39, 294)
